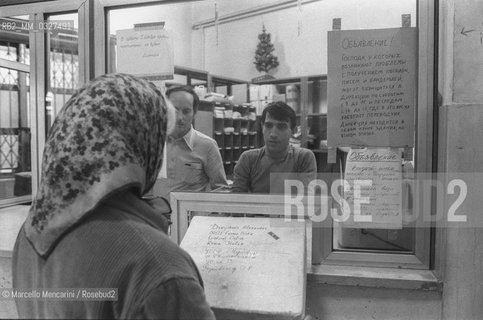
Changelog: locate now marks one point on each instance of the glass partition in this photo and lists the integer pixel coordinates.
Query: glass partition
(222, 39)
(63, 67)
(15, 122)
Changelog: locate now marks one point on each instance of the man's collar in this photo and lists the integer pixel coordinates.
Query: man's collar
(290, 151)
(188, 138)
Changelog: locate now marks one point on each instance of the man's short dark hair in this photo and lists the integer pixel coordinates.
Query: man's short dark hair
(280, 111)
(188, 89)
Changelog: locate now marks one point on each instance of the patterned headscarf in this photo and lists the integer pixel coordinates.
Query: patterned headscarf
(109, 136)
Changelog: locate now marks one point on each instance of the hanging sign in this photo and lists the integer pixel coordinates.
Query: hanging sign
(145, 52)
(373, 188)
(372, 87)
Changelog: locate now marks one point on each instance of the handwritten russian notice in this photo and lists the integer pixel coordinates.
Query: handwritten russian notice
(372, 87)
(250, 266)
(146, 53)
(373, 188)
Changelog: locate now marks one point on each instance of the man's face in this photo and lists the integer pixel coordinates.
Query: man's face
(183, 103)
(276, 135)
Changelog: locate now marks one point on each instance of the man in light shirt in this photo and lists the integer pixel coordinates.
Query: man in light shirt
(193, 160)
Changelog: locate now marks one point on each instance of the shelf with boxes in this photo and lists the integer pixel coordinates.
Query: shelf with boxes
(235, 129)
(234, 124)
(211, 83)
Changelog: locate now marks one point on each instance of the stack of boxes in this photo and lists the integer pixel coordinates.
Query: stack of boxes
(261, 95)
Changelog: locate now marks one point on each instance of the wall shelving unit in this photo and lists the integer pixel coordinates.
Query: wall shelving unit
(235, 135)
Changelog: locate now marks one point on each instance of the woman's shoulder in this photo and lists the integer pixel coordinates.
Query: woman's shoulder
(138, 243)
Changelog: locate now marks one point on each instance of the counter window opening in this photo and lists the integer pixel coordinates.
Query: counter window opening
(204, 48)
(216, 55)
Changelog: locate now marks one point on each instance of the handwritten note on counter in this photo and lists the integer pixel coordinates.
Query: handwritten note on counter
(251, 267)
(372, 87)
(382, 199)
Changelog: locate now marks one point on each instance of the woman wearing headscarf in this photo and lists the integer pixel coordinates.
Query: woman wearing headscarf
(89, 227)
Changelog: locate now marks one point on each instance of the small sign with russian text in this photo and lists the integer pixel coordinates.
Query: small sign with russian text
(373, 188)
(145, 52)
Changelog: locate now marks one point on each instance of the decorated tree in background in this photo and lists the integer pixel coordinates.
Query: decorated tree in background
(264, 59)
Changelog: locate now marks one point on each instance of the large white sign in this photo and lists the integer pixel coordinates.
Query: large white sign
(372, 87)
(252, 268)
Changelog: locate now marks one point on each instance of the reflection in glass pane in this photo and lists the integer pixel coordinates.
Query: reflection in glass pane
(373, 239)
(8, 51)
(63, 66)
(15, 133)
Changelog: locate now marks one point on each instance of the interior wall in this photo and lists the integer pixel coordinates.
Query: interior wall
(331, 302)
(463, 257)
(468, 44)
(461, 123)
(8, 309)
(229, 49)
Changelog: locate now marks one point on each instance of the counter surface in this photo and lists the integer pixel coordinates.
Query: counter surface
(11, 220)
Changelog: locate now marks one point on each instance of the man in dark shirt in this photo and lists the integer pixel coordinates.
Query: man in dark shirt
(254, 168)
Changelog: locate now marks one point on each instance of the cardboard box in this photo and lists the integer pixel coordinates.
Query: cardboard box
(252, 268)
